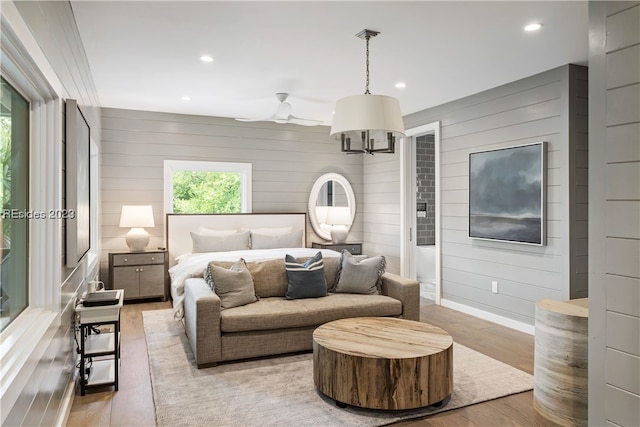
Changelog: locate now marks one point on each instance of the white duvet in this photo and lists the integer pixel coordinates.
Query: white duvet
(193, 265)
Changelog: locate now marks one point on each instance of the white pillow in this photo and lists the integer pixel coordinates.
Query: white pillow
(212, 232)
(232, 242)
(292, 239)
(272, 231)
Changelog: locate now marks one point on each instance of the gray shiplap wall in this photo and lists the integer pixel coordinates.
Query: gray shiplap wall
(614, 212)
(546, 107)
(53, 26)
(286, 160)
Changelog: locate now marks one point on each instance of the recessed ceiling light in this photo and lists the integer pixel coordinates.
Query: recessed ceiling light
(186, 98)
(206, 58)
(533, 27)
(401, 85)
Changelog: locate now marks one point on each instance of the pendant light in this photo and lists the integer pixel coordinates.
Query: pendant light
(367, 119)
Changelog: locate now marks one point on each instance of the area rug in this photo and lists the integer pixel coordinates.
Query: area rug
(279, 391)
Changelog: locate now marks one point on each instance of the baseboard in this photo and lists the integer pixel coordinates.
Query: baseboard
(65, 406)
(491, 317)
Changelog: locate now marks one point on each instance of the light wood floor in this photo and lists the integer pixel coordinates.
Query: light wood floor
(132, 405)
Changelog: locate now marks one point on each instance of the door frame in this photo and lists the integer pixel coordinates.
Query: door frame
(408, 219)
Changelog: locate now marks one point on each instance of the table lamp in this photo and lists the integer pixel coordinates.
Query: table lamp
(137, 217)
(339, 217)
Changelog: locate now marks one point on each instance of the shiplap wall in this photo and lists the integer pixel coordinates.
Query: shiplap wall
(381, 208)
(286, 160)
(546, 107)
(614, 212)
(53, 26)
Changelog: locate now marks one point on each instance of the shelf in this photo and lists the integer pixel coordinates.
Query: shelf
(100, 344)
(102, 372)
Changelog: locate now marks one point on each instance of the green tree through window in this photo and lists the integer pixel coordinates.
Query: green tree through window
(207, 192)
(14, 196)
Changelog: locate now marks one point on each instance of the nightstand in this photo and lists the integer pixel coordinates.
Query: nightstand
(354, 248)
(140, 274)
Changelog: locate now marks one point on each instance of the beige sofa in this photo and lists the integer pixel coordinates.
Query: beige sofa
(275, 325)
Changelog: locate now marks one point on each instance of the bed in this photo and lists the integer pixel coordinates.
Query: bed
(194, 240)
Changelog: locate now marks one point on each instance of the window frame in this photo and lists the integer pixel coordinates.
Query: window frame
(244, 169)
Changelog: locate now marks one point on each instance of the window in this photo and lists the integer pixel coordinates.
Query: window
(15, 215)
(206, 187)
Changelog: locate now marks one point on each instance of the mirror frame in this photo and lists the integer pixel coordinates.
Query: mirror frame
(313, 200)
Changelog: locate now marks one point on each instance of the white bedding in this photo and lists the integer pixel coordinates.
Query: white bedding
(193, 265)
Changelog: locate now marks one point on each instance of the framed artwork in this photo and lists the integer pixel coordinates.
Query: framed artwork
(507, 194)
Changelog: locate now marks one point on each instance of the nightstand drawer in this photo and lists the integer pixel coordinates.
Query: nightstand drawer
(354, 248)
(137, 259)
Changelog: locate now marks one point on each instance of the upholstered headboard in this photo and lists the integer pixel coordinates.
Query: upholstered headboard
(179, 226)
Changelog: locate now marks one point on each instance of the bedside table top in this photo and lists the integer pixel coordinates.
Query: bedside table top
(148, 251)
(329, 244)
(354, 247)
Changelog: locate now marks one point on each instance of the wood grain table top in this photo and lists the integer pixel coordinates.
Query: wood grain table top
(575, 307)
(382, 337)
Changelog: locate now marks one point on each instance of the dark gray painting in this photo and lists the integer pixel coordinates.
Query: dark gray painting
(505, 194)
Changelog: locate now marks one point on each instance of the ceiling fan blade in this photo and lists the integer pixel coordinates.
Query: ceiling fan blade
(271, 118)
(304, 122)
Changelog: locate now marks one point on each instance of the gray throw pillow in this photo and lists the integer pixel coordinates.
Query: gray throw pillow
(234, 286)
(359, 275)
(305, 280)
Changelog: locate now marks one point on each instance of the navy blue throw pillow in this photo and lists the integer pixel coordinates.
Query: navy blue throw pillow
(305, 280)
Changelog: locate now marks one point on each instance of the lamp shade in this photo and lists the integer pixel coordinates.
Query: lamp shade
(338, 215)
(321, 213)
(137, 216)
(379, 114)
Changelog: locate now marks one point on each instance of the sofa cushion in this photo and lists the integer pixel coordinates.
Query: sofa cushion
(278, 313)
(359, 275)
(234, 285)
(306, 280)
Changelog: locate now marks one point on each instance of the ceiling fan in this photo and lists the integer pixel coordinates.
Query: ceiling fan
(283, 114)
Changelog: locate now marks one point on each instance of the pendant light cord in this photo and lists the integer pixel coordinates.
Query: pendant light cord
(366, 92)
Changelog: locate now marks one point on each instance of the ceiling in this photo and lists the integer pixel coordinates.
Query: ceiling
(145, 55)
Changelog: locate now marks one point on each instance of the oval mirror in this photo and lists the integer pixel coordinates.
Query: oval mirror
(331, 197)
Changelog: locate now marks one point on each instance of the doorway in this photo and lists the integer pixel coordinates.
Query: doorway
(420, 209)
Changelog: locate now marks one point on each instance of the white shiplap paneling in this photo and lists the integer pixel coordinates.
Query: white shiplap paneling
(614, 240)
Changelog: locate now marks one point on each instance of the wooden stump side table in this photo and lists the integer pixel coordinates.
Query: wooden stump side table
(383, 363)
(561, 362)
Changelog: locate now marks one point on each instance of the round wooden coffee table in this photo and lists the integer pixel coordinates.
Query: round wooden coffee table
(383, 363)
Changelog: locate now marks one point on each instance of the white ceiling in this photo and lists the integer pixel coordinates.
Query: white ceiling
(145, 55)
